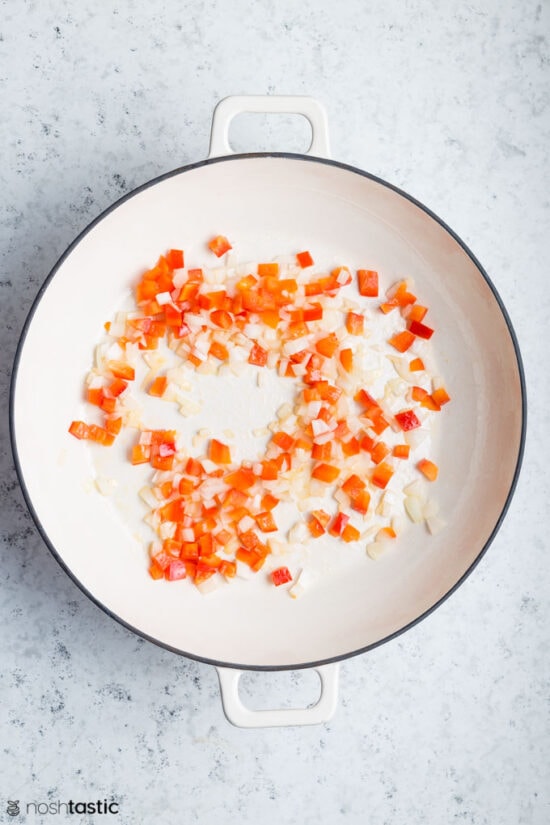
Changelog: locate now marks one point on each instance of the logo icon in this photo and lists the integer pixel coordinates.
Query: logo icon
(13, 807)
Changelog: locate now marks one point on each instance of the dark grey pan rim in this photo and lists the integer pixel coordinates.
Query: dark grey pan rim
(19, 470)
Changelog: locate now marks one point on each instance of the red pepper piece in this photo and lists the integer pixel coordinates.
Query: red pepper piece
(421, 330)
(281, 576)
(407, 420)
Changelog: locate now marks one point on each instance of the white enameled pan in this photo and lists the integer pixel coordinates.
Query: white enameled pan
(268, 204)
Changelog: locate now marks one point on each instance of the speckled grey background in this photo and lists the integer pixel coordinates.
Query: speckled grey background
(450, 101)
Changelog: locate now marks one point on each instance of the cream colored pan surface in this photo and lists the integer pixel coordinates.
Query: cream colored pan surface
(268, 205)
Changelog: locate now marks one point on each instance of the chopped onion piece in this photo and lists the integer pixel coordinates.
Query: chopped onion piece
(413, 506)
(435, 524)
(319, 427)
(298, 533)
(415, 437)
(313, 408)
(431, 508)
(416, 488)
(153, 520)
(246, 523)
(106, 486)
(387, 503)
(167, 529)
(341, 497)
(303, 582)
(244, 571)
(296, 345)
(376, 548)
(147, 495)
(284, 411)
(163, 298)
(211, 584)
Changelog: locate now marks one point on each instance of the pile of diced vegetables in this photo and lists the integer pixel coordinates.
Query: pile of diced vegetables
(214, 513)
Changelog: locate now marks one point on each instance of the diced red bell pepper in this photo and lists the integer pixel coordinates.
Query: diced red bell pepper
(158, 386)
(79, 429)
(203, 572)
(428, 469)
(379, 452)
(355, 323)
(340, 521)
(421, 330)
(381, 475)
(281, 576)
(121, 370)
(401, 451)
(242, 479)
(350, 533)
(266, 522)
(441, 396)
(282, 440)
(367, 280)
(176, 570)
(268, 270)
(219, 245)
(175, 258)
(218, 452)
(221, 318)
(325, 472)
(327, 346)
(258, 355)
(407, 420)
(402, 340)
(346, 359)
(218, 351)
(304, 259)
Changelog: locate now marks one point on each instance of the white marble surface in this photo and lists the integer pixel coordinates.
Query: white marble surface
(450, 101)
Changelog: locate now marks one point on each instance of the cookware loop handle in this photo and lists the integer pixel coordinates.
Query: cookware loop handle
(243, 717)
(230, 107)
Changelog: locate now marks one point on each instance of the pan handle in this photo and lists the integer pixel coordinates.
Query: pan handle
(230, 107)
(243, 717)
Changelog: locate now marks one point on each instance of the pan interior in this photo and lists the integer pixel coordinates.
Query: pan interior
(270, 205)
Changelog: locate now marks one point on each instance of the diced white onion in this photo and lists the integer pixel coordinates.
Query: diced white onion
(298, 533)
(413, 506)
(431, 508)
(244, 571)
(416, 488)
(296, 345)
(415, 437)
(387, 503)
(147, 495)
(435, 524)
(303, 582)
(313, 408)
(210, 585)
(341, 497)
(179, 277)
(319, 427)
(163, 298)
(375, 549)
(246, 523)
(324, 438)
(106, 486)
(167, 530)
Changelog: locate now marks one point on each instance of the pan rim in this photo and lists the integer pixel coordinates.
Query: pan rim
(19, 469)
